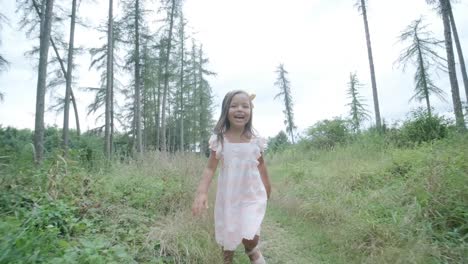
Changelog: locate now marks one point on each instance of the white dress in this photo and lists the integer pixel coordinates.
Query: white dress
(241, 197)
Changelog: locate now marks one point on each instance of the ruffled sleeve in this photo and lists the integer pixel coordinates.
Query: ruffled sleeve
(261, 144)
(216, 146)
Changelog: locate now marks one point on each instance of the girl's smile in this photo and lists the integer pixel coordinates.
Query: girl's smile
(239, 110)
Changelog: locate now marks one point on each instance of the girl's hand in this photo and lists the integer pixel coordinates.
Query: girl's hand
(200, 204)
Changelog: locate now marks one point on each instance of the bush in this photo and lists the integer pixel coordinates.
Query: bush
(278, 142)
(327, 134)
(418, 128)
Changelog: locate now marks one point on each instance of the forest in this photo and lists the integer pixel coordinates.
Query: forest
(347, 189)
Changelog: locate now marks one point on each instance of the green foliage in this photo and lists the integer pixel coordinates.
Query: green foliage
(327, 134)
(358, 112)
(282, 82)
(34, 227)
(419, 127)
(422, 51)
(376, 203)
(278, 142)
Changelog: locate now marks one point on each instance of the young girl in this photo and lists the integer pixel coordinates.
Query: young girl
(243, 182)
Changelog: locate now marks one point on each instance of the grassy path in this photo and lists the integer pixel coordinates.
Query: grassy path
(289, 240)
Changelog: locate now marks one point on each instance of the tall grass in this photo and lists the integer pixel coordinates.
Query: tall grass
(368, 202)
(381, 204)
(136, 211)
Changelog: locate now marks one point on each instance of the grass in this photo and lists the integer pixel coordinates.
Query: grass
(366, 202)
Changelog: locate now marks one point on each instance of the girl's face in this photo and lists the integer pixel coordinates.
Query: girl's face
(239, 110)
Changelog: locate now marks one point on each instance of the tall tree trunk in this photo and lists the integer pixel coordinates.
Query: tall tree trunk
(75, 110)
(158, 105)
(423, 72)
(64, 71)
(166, 79)
(459, 50)
(182, 64)
(137, 105)
(156, 113)
(66, 110)
(109, 83)
(378, 122)
(46, 24)
(459, 119)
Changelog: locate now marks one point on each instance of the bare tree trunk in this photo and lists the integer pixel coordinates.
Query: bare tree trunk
(182, 49)
(46, 24)
(137, 105)
(459, 119)
(109, 83)
(378, 122)
(64, 71)
(158, 106)
(166, 79)
(75, 110)
(426, 90)
(66, 110)
(459, 50)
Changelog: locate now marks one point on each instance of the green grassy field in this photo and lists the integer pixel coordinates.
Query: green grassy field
(366, 202)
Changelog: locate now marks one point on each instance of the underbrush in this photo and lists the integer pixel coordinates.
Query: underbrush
(379, 203)
(65, 213)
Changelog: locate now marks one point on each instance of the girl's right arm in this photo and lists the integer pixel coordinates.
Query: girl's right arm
(201, 199)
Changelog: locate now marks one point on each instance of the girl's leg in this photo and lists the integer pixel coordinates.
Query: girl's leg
(249, 245)
(228, 256)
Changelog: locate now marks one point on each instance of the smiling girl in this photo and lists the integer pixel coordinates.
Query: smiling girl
(243, 182)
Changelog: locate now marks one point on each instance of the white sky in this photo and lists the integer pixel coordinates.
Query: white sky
(319, 41)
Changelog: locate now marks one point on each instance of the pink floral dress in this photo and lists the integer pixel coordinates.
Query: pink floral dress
(241, 197)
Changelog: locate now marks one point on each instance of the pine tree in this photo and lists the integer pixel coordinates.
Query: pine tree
(3, 62)
(358, 112)
(422, 53)
(46, 25)
(172, 7)
(444, 9)
(69, 79)
(284, 85)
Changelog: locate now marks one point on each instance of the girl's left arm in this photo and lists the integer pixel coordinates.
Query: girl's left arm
(264, 175)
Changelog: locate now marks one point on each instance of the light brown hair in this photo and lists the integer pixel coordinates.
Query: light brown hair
(223, 122)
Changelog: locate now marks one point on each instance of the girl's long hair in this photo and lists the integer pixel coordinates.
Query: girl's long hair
(223, 122)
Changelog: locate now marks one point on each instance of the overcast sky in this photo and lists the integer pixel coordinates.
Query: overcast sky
(319, 41)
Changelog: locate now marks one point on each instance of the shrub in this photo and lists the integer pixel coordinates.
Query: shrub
(419, 127)
(278, 142)
(327, 134)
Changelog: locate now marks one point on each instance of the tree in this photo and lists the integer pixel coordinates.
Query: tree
(109, 84)
(439, 7)
(46, 24)
(182, 81)
(69, 79)
(30, 21)
(278, 142)
(459, 49)
(443, 6)
(283, 84)
(132, 21)
(422, 52)
(173, 8)
(358, 111)
(203, 92)
(362, 6)
(3, 62)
